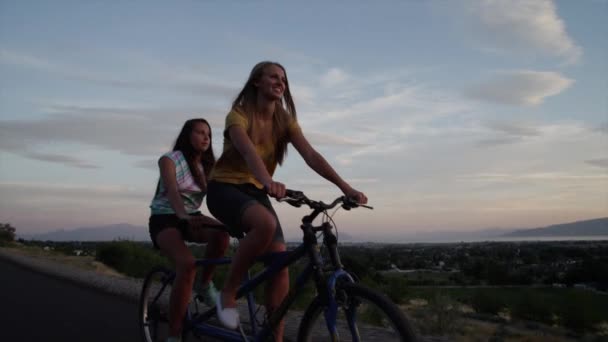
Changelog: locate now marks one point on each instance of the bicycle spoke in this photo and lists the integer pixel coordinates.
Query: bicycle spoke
(362, 315)
(154, 306)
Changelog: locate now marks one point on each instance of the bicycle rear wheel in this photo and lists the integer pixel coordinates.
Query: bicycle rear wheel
(154, 305)
(363, 315)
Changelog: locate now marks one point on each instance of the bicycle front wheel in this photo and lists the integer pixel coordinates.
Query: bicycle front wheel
(154, 305)
(363, 315)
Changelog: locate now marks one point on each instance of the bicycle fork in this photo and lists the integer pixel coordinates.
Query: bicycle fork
(334, 298)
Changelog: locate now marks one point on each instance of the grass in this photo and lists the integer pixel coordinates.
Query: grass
(500, 313)
(581, 311)
(83, 262)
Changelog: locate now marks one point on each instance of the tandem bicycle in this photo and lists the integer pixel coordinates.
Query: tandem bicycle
(342, 309)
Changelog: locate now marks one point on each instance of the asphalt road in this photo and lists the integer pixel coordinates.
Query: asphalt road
(37, 307)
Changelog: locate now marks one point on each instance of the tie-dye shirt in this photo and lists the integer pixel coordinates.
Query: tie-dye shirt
(190, 192)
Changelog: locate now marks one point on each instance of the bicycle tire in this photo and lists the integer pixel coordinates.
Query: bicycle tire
(154, 305)
(380, 319)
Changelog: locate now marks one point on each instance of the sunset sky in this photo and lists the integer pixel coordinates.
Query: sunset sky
(449, 115)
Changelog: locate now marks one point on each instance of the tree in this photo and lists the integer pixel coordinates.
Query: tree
(7, 232)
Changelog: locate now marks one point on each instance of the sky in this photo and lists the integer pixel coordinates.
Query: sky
(449, 115)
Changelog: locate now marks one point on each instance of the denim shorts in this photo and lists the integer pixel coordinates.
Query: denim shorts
(228, 202)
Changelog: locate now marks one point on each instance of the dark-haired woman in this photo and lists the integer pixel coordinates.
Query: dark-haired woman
(179, 194)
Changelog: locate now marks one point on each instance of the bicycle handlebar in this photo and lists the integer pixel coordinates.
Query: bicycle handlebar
(297, 198)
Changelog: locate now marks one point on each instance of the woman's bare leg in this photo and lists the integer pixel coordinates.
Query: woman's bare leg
(276, 290)
(260, 226)
(171, 244)
(217, 242)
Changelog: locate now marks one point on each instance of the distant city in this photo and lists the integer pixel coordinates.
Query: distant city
(594, 229)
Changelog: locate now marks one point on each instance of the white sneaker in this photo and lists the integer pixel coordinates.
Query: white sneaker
(229, 317)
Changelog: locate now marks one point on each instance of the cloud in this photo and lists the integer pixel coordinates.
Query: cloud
(602, 162)
(526, 26)
(504, 132)
(565, 131)
(140, 75)
(602, 128)
(247, 42)
(302, 95)
(505, 140)
(25, 60)
(74, 191)
(144, 132)
(535, 176)
(349, 87)
(387, 102)
(322, 183)
(523, 87)
(131, 131)
(508, 132)
(41, 206)
(149, 164)
(333, 77)
(60, 159)
(514, 129)
(378, 149)
(319, 138)
(389, 113)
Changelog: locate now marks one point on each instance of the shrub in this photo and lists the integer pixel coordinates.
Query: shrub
(439, 317)
(395, 288)
(533, 307)
(7, 233)
(130, 258)
(487, 302)
(579, 314)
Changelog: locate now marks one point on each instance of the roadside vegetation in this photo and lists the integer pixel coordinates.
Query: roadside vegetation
(495, 291)
(7, 234)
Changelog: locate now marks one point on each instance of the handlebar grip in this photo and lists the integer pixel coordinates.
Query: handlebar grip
(293, 193)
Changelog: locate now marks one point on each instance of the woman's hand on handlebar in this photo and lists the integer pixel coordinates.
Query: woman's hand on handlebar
(356, 195)
(275, 189)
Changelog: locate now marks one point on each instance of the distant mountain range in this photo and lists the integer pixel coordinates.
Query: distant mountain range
(122, 231)
(595, 227)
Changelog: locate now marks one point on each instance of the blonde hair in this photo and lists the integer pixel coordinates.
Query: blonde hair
(246, 102)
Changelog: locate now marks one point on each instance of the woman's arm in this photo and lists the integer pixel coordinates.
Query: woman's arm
(167, 174)
(203, 186)
(316, 162)
(243, 144)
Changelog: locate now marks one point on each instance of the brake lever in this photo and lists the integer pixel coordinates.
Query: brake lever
(294, 202)
(290, 200)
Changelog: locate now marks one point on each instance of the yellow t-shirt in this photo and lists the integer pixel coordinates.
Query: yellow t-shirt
(232, 167)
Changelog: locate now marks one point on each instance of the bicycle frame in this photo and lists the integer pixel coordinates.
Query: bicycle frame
(280, 260)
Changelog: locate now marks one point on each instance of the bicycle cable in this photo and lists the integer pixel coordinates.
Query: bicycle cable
(333, 223)
(242, 333)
